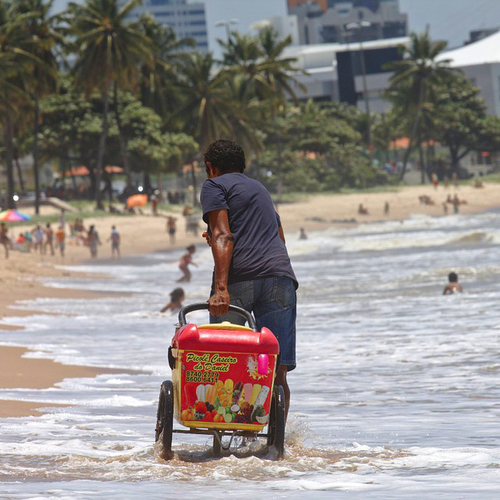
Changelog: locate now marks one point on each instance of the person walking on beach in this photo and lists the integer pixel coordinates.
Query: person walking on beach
(61, 240)
(115, 242)
(93, 241)
(4, 239)
(38, 234)
(176, 297)
(185, 261)
(386, 208)
(252, 267)
(453, 286)
(49, 239)
(171, 229)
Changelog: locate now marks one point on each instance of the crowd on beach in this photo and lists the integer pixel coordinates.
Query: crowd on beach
(45, 240)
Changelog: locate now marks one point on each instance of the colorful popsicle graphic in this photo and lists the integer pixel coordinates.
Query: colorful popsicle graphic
(255, 392)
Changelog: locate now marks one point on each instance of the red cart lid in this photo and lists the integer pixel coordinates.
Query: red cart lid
(225, 338)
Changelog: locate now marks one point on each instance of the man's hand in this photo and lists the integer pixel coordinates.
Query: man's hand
(207, 237)
(219, 303)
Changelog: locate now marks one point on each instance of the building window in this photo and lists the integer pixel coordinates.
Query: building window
(159, 2)
(197, 23)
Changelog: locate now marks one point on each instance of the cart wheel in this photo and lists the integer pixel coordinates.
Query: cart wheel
(276, 428)
(165, 418)
(216, 445)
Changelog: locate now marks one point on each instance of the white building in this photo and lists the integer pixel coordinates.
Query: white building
(480, 61)
(334, 71)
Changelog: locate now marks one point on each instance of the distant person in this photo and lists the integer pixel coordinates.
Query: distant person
(61, 240)
(435, 180)
(185, 261)
(154, 205)
(454, 178)
(453, 286)
(38, 234)
(446, 181)
(93, 241)
(4, 239)
(362, 210)
(386, 208)
(171, 229)
(303, 235)
(456, 204)
(445, 208)
(115, 242)
(49, 239)
(176, 297)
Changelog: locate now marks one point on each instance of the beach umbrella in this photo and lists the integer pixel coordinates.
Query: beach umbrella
(137, 200)
(13, 216)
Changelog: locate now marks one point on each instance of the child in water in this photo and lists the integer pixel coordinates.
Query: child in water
(453, 286)
(187, 259)
(176, 297)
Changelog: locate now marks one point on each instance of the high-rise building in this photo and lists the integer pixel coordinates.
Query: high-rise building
(323, 4)
(377, 20)
(188, 20)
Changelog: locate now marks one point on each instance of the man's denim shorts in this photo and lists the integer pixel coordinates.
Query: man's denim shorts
(273, 302)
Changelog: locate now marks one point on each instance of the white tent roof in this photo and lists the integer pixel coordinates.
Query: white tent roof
(484, 51)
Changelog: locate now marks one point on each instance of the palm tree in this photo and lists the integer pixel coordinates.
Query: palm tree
(158, 82)
(205, 109)
(42, 37)
(109, 50)
(15, 63)
(412, 84)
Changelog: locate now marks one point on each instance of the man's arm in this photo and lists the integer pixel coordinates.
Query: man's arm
(222, 250)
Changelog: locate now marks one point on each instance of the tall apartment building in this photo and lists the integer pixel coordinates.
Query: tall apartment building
(188, 20)
(382, 18)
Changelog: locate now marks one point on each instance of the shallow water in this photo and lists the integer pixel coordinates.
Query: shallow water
(395, 394)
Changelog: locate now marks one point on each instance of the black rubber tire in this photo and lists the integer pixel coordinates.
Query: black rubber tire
(277, 417)
(216, 445)
(165, 419)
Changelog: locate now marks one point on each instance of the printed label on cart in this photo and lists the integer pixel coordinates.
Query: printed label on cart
(225, 387)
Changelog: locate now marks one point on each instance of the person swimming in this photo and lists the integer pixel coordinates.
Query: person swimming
(453, 286)
(176, 297)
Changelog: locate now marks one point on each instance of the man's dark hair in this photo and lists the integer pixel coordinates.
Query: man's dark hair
(227, 156)
(453, 278)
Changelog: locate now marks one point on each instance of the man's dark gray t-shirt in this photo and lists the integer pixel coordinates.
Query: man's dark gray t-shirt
(258, 251)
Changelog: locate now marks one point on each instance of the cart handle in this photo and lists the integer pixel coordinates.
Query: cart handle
(203, 306)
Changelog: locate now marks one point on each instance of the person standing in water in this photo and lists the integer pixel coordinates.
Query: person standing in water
(453, 286)
(252, 267)
(185, 261)
(176, 297)
(38, 234)
(115, 242)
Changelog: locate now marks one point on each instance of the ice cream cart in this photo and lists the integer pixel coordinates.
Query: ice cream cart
(222, 383)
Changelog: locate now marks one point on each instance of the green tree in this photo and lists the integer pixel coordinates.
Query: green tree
(42, 37)
(412, 86)
(15, 63)
(460, 118)
(109, 50)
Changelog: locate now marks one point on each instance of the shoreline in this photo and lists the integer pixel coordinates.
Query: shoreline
(20, 276)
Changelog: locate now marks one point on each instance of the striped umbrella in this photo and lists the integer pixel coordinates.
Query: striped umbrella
(13, 216)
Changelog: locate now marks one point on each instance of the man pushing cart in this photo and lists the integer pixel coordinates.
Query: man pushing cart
(228, 377)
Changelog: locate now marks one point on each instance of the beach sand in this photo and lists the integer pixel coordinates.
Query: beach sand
(20, 275)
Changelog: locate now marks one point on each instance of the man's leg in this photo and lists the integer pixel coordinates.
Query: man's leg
(281, 380)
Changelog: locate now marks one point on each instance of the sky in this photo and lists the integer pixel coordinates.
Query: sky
(449, 20)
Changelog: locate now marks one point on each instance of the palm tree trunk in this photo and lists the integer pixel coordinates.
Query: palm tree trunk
(35, 158)
(123, 140)
(8, 160)
(413, 131)
(422, 162)
(100, 152)
(19, 175)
